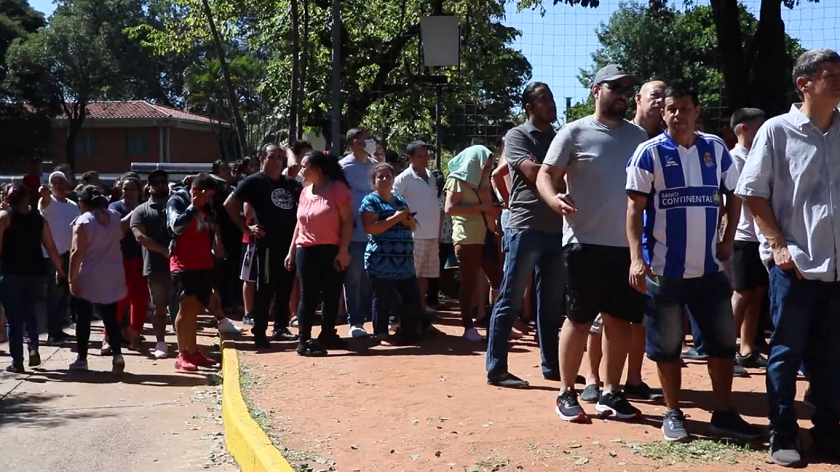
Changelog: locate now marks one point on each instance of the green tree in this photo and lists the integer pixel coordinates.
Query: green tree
(17, 20)
(73, 65)
(755, 64)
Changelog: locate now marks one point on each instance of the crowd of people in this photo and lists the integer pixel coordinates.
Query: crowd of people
(612, 232)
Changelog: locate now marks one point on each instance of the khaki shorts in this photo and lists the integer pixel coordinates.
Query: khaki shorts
(427, 258)
(160, 286)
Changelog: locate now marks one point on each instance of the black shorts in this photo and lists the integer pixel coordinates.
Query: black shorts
(597, 282)
(194, 283)
(748, 272)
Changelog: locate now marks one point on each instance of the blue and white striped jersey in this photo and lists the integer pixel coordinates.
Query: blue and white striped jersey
(682, 213)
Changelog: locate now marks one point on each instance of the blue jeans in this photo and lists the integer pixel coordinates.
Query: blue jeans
(18, 294)
(708, 300)
(805, 315)
(357, 292)
(58, 297)
(527, 250)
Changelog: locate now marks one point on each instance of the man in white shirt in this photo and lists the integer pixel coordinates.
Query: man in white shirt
(59, 211)
(420, 193)
(749, 276)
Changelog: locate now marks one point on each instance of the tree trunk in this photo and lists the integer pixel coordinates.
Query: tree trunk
(293, 108)
(231, 93)
(731, 50)
(768, 90)
(304, 66)
(75, 119)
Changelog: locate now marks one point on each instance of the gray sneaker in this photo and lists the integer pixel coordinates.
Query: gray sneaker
(783, 452)
(673, 426)
(591, 393)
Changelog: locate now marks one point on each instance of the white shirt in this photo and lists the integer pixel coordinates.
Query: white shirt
(421, 195)
(746, 230)
(59, 216)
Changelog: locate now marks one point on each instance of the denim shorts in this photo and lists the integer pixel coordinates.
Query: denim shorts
(707, 299)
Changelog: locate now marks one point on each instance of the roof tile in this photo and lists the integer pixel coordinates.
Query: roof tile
(139, 109)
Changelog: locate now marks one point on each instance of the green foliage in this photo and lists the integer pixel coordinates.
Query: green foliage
(671, 45)
(17, 20)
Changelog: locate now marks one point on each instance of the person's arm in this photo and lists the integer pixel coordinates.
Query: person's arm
(232, 205)
(454, 207)
(139, 231)
(550, 179)
(45, 200)
(179, 215)
(49, 245)
(77, 253)
(639, 187)
(373, 225)
(292, 248)
(519, 156)
(125, 223)
(345, 212)
(499, 176)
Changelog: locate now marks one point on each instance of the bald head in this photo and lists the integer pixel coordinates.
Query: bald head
(649, 102)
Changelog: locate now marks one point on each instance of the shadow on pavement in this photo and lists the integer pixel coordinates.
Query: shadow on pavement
(29, 409)
(101, 377)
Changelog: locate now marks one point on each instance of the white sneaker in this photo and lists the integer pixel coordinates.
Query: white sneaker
(473, 335)
(79, 364)
(226, 326)
(357, 331)
(161, 351)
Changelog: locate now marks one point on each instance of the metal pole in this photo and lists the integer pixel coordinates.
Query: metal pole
(438, 126)
(336, 78)
(568, 106)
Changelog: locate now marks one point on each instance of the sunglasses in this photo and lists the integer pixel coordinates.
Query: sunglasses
(621, 89)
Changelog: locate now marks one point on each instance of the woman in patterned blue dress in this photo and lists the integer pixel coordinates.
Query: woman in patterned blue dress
(389, 257)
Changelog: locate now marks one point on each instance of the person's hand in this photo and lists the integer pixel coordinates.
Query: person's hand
(343, 258)
(401, 215)
(289, 262)
(492, 209)
(563, 204)
(75, 289)
(724, 251)
(639, 271)
(784, 261)
(44, 192)
(165, 253)
(200, 198)
(60, 277)
(256, 230)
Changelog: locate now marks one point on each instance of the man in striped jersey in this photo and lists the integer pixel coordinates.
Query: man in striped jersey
(674, 184)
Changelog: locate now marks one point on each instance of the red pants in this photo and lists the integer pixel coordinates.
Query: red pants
(138, 294)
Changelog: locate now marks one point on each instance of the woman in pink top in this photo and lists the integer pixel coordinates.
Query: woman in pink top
(320, 249)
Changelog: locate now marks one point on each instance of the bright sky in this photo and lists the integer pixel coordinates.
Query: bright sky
(561, 43)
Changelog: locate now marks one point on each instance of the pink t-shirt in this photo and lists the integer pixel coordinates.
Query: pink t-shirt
(319, 221)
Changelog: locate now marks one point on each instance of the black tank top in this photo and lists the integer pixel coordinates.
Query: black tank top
(22, 245)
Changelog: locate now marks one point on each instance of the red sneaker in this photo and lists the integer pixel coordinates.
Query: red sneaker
(200, 360)
(185, 364)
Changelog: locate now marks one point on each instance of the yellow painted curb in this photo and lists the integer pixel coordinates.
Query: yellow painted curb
(244, 438)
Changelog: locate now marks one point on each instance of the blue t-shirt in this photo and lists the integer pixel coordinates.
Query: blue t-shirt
(388, 255)
(682, 214)
(358, 176)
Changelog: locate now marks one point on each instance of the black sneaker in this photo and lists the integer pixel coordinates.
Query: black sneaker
(641, 392)
(507, 380)
(261, 342)
(729, 424)
(552, 376)
(311, 348)
(591, 394)
(752, 361)
(248, 320)
(693, 355)
(673, 426)
(569, 409)
(283, 334)
(739, 371)
(615, 404)
(15, 369)
(56, 341)
(783, 451)
(34, 358)
(332, 341)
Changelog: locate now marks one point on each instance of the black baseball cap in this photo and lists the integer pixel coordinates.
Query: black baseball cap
(415, 146)
(610, 73)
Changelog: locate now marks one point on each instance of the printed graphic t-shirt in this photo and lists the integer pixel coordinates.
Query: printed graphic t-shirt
(275, 204)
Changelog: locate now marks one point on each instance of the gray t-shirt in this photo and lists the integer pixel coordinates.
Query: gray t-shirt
(746, 229)
(595, 157)
(527, 209)
(152, 216)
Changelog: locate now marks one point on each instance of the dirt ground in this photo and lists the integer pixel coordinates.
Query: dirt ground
(428, 408)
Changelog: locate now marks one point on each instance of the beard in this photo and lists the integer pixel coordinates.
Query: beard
(616, 109)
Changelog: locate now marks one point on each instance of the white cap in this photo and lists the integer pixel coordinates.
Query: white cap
(55, 174)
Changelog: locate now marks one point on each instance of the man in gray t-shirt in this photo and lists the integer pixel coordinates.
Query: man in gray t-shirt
(531, 238)
(591, 154)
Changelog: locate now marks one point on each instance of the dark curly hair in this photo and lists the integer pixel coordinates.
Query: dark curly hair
(328, 163)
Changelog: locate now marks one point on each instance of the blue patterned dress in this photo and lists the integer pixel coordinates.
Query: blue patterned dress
(388, 255)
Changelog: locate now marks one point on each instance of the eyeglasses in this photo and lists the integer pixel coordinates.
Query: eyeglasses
(626, 90)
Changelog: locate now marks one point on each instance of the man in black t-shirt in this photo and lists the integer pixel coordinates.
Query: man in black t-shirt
(274, 200)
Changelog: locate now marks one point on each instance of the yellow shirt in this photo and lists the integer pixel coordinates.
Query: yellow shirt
(466, 229)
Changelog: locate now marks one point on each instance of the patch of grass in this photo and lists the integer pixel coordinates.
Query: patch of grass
(490, 464)
(296, 458)
(698, 451)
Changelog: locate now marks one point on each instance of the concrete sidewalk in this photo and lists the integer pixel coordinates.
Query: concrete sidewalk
(153, 419)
